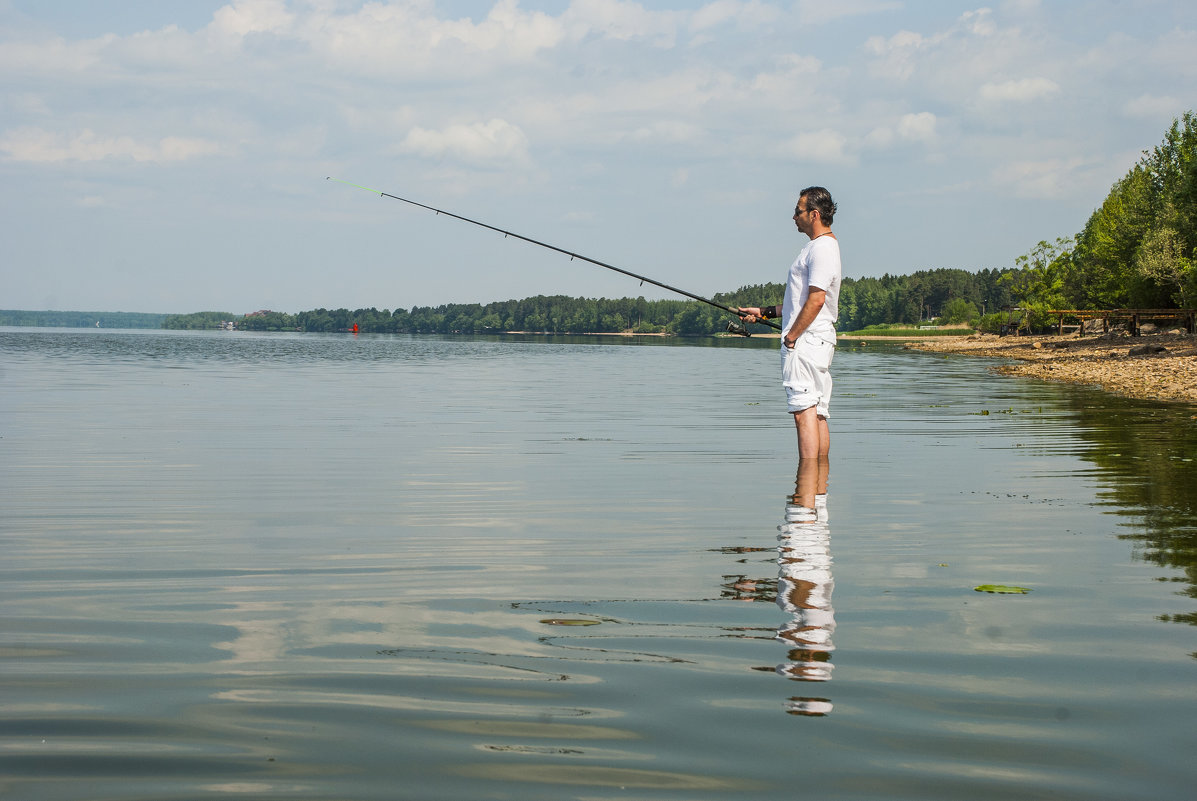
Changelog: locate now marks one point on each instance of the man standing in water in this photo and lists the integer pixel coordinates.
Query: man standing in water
(808, 316)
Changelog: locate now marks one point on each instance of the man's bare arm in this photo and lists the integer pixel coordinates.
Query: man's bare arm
(810, 310)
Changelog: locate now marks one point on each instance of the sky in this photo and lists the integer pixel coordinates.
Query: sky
(172, 156)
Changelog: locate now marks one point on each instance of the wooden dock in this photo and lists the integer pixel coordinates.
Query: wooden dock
(1136, 317)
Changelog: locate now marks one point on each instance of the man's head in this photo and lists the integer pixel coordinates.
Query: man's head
(818, 199)
(814, 212)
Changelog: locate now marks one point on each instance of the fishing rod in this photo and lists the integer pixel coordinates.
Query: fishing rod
(732, 326)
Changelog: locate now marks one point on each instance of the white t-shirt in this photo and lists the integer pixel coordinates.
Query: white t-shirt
(818, 266)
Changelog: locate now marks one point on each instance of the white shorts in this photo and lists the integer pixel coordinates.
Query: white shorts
(806, 372)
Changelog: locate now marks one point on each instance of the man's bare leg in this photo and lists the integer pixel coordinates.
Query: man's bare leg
(814, 436)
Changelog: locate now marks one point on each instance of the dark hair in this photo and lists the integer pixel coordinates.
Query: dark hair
(819, 199)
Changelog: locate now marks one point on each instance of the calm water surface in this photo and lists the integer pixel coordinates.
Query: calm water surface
(304, 566)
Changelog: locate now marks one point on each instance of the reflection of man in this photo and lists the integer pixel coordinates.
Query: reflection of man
(808, 316)
(804, 585)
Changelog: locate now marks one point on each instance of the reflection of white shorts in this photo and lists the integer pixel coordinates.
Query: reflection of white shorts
(806, 372)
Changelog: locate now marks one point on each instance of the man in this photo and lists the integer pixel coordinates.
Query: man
(808, 316)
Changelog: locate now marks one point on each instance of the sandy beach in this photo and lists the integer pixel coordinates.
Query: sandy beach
(1160, 367)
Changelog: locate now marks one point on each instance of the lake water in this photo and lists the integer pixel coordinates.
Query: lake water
(313, 567)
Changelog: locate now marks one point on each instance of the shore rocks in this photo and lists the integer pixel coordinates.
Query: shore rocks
(1163, 369)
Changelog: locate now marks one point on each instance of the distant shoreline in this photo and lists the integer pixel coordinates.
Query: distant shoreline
(895, 338)
(587, 333)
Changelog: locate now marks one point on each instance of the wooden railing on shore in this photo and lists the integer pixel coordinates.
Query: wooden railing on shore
(1135, 316)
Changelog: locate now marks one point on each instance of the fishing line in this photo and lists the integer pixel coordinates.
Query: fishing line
(733, 327)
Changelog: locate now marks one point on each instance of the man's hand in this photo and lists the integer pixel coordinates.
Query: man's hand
(810, 310)
(750, 314)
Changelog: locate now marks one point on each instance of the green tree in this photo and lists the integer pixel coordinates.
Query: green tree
(959, 310)
(1162, 263)
(847, 306)
(1038, 283)
(1102, 274)
(1138, 249)
(687, 323)
(491, 322)
(197, 320)
(872, 302)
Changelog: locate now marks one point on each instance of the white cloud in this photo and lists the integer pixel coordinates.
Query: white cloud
(917, 127)
(791, 74)
(54, 56)
(677, 106)
(1044, 179)
(896, 54)
(820, 147)
(36, 145)
(244, 17)
(481, 143)
(394, 41)
(1022, 7)
(182, 148)
(667, 131)
(29, 104)
(717, 13)
(905, 53)
(879, 138)
(1173, 52)
(921, 127)
(979, 22)
(743, 14)
(1153, 107)
(616, 19)
(1023, 91)
(817, 12)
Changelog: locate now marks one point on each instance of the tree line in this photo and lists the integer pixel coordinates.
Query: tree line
(80, 319)
(945, 295)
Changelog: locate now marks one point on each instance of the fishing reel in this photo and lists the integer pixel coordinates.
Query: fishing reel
(738, 328)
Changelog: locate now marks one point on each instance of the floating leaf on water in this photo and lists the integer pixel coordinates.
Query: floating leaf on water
(566, 621)
(1002, 589)
(740, 549)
